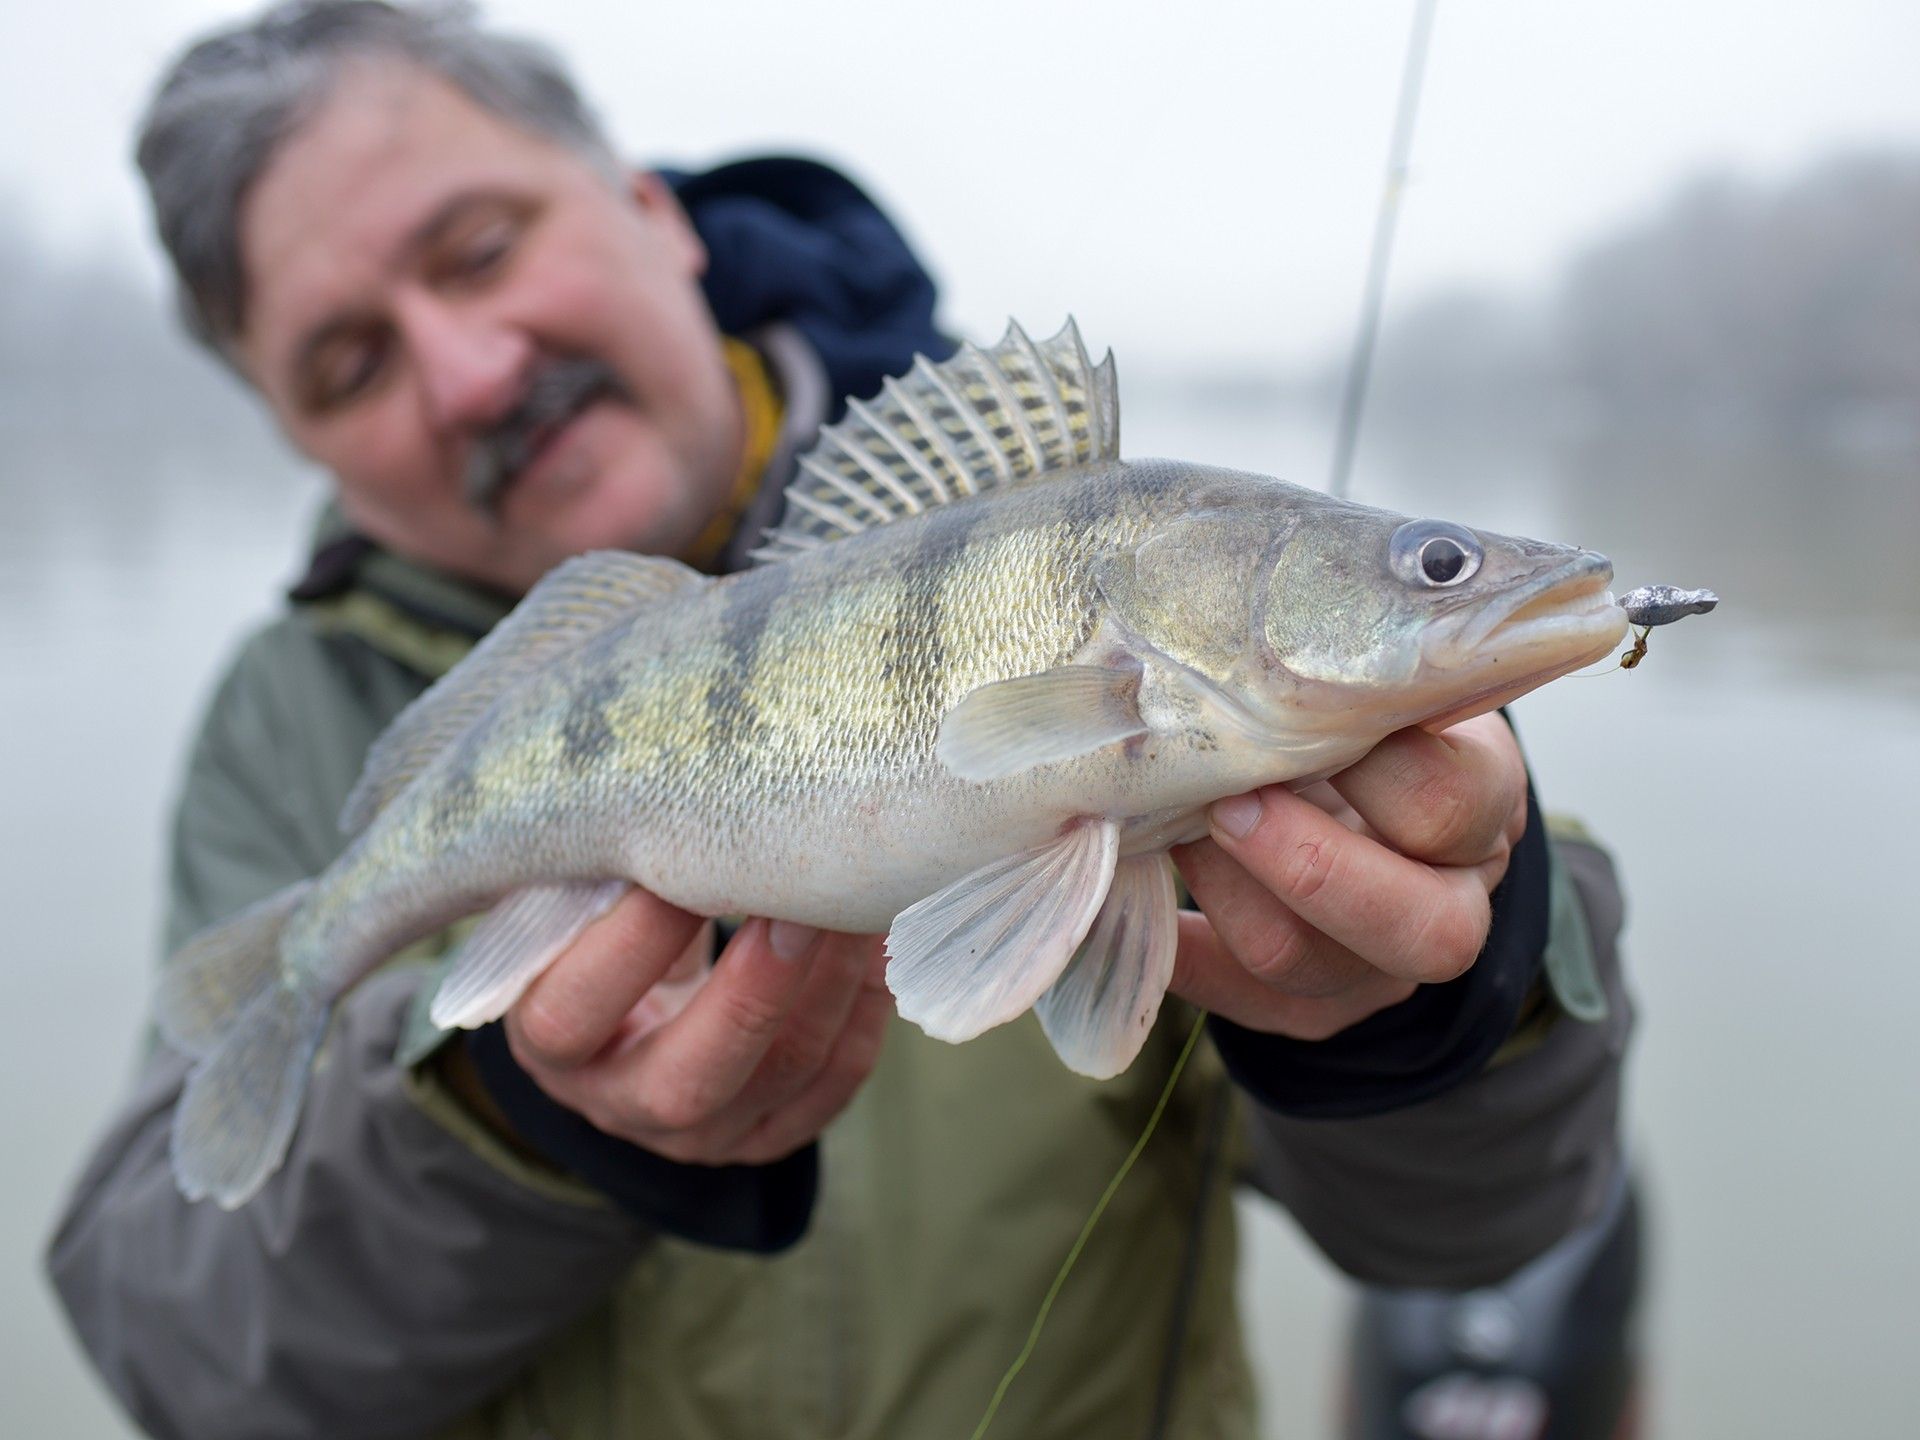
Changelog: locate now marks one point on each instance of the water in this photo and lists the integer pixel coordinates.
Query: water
(1759, 776)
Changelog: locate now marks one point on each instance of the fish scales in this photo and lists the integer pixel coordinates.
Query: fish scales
(990, 664)
(790, 700)
(847, 677)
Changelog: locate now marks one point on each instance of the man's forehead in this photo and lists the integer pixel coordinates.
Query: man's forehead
(331, 213)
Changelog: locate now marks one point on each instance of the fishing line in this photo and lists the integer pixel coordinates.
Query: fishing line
(1626, 660)
(1366, 331)
(1593, 674)
(1066, 1266)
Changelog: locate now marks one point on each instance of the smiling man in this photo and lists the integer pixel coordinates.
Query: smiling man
(414, 261)
(684, 1190)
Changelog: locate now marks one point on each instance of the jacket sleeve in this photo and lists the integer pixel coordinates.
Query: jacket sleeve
(400, 1266)
(1463, 1187)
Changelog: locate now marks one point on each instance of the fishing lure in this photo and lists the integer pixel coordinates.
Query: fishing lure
(1653, 605)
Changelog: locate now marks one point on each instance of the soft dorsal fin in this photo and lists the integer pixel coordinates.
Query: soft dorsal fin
(982, 420)
(574, 602)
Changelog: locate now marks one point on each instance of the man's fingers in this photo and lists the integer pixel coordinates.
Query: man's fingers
(1271, 943)
(786, 1128)
(1414, 921)
(581, 1000)
(819, 1016)
(686, 1072)
(672, 991)
(1446, 799)
(1207, 974)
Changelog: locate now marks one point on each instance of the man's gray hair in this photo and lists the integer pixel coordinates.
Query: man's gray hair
(229, 102)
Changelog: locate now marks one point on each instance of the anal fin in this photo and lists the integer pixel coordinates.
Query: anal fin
(508, 950)
(981, 951)
(1099, 1012)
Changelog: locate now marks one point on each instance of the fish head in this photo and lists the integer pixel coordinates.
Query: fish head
(1420, 621)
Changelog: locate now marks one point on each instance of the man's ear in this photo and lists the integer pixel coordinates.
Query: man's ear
(661, 208)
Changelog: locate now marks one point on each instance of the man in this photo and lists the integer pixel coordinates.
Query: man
(625, 1211)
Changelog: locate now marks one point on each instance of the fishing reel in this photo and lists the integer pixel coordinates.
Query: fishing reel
(1549, 1355)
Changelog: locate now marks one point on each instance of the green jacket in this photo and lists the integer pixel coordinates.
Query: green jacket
(407, 1274)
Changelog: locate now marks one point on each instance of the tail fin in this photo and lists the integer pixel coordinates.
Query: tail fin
(218, 973)
(226, 999)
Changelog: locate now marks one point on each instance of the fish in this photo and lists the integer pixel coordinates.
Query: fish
(979, 680)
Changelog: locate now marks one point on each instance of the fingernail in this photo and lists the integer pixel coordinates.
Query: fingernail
(790, 941)
(1237, 814)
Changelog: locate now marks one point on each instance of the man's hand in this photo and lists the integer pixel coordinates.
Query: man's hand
(770, 1046)
(1321, 908)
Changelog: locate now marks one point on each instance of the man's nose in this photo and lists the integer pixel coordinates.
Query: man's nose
(471, 368)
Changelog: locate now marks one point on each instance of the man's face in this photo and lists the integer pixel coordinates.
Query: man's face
(413, 262)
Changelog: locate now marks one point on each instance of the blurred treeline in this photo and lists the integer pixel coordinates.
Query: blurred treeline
(1790, 311)
(106, 408)
(82, 342)
(1725, 389)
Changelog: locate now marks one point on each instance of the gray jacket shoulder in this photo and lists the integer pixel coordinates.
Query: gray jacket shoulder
(267, 1321)
(279, 748)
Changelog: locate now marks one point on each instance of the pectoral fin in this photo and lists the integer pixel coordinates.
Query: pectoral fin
(1013, 725)
(981, 951)
(509, 949)
(1099, 1012)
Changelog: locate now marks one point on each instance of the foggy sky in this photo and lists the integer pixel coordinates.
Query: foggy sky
(1195, 181)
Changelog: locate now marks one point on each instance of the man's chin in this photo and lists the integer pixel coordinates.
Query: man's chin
(590, 496)
(604, 516)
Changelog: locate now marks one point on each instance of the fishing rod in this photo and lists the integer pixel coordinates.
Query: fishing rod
(1360, 364)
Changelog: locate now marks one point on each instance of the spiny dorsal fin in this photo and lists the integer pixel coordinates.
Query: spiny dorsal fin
(983, 420)
(574, 602)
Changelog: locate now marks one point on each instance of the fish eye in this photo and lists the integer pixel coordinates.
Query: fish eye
(1434, 554)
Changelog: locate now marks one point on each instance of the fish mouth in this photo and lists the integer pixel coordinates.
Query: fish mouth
(1567, 610)
(1541, 630)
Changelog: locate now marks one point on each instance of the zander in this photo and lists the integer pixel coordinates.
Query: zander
(985, 674)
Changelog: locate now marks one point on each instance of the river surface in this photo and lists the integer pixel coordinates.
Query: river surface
(1759, 777)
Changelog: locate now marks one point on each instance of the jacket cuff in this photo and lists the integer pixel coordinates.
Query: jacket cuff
(758, 1208)
(1437, 1037)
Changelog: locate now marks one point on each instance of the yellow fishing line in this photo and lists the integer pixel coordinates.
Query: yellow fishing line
(1066, 1266)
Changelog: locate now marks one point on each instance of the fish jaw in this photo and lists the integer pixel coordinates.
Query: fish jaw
(1568, 602)
(1561, 620)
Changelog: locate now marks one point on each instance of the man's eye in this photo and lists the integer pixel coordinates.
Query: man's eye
(346, 371)
(478, 255)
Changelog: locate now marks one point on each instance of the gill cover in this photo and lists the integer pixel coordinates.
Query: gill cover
(1193, 590)
(1337, 613)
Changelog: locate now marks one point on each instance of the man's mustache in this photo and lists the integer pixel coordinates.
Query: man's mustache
(556, 392)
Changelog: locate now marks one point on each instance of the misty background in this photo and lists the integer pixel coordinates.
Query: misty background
(1656, 291)
(1727, 380)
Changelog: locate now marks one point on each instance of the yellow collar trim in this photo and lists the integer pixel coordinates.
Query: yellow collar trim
(761, 412)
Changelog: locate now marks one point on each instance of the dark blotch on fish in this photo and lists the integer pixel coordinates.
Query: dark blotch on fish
(916, 642)
(733, 716)
(457, 799)
(586, 733)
